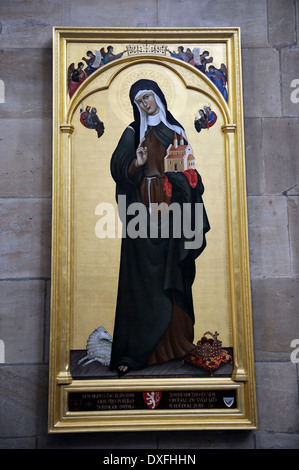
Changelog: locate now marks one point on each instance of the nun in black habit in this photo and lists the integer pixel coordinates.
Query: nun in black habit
(154, 321)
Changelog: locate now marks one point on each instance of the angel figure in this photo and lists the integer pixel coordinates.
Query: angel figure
(200, 60)
(219, 78)
(94, 61)
(109, 56)
(76, 76)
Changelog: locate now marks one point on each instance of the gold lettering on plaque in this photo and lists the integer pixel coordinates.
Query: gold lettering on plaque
(133, 49)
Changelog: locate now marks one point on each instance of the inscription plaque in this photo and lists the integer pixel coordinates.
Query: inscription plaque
(174, 400)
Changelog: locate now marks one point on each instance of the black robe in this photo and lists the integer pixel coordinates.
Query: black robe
(154, 272)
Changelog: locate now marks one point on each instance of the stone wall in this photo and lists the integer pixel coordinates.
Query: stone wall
(270, 50)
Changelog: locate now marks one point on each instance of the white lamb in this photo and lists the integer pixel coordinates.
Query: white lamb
(98, 347)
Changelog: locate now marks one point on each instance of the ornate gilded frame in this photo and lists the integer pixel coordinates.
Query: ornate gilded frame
(146, 50)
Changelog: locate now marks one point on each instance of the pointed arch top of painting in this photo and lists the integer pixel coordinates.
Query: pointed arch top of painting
(191, 78)
(159, 46)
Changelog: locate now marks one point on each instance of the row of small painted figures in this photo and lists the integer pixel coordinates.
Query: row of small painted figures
(97, 59)
(200, 61)
(93, 61)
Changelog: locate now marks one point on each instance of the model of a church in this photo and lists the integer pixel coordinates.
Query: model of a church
(179, 157)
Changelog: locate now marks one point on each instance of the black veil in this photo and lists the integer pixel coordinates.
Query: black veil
(150, 85)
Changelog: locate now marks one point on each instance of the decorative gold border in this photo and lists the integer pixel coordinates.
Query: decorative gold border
(61, 382)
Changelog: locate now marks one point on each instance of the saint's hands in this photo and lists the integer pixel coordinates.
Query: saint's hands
(141, 155)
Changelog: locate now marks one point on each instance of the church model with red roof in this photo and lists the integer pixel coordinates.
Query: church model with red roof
(179, 157)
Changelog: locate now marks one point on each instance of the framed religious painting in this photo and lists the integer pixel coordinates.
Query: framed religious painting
(151, 323)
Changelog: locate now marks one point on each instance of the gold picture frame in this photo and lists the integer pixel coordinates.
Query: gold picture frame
(204, 90)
